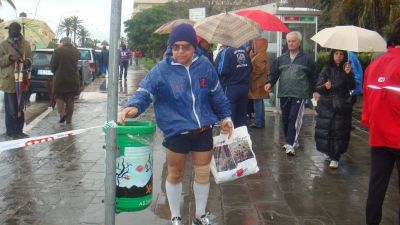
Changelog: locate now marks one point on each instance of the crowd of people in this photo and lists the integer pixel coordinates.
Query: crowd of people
(196, 89)
(191, 92)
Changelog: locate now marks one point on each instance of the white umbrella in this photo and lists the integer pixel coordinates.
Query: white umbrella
(228, 29)
(350, 38)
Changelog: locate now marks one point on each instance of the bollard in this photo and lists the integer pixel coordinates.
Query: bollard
(134, 166)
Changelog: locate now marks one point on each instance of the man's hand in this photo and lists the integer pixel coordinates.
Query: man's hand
(268, 87)
(127, 112)
(27, 63)
(13, 58)
(316, 96)
(227, 126)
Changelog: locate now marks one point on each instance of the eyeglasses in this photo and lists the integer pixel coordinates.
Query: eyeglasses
(185, 47)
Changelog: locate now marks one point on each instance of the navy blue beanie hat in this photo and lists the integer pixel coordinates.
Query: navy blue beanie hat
(183, 32)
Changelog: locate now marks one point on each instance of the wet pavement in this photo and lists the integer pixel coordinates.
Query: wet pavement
(61, 182)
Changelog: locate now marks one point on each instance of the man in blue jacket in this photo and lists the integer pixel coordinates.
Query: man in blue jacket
(234, 69)
(295, 70)
(188, 100)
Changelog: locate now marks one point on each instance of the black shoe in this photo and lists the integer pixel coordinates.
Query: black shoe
(22, 135)
(62, 120)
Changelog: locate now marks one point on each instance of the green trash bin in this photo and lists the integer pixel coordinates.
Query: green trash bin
(134, 166)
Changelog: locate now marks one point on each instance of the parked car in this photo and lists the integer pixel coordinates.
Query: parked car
(89, 55)
(41, 70)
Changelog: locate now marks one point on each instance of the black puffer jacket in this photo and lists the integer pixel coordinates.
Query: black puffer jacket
(332, 131)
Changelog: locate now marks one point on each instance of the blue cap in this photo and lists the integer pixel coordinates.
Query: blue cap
(183, 32)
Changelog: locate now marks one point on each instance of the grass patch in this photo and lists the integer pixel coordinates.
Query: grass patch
(148, 63)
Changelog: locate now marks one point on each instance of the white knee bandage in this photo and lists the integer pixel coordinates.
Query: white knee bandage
(202, 174)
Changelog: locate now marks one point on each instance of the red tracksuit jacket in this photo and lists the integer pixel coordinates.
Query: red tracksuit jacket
(381, 103)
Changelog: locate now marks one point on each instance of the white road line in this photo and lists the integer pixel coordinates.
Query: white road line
(32, 124)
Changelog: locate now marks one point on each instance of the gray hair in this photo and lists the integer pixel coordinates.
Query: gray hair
(65, 40)
(296, 33)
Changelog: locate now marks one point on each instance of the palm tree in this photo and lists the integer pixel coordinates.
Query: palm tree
(76, 25)
(65, 26)
(10, 2)
(83, 34)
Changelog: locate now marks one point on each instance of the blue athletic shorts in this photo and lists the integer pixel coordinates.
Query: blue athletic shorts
(194, 141)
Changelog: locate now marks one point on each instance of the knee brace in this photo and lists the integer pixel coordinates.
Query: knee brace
(202, 174)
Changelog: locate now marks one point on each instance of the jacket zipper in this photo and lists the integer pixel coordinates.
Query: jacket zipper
(193, 98)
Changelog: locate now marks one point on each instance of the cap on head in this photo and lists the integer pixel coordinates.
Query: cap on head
(14, 26)
(65, 40)
(183, 32)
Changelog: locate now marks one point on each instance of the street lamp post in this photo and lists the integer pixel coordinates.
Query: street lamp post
(37, 4)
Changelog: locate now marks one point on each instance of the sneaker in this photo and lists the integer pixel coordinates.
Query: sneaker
(334, 164)
(204, 220)
(290, 150)
(285, 146)
(176, 220)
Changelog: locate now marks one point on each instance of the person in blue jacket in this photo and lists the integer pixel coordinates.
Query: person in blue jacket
(358, 75)
(188, 101)
(234, 68)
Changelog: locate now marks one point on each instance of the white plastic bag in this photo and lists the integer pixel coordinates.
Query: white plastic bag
(233, 157)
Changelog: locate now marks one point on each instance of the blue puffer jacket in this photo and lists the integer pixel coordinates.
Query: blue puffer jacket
(185, 98)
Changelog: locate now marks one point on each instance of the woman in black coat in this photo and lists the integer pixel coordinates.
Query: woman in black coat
(332, 130)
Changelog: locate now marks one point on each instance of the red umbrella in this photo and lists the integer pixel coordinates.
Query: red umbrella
(266, 21)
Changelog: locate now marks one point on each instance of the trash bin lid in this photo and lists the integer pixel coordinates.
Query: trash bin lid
(136, 127)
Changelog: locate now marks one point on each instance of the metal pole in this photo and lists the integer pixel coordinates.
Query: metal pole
(112, 107)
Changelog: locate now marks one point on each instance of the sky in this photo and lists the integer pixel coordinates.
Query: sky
(94, 13)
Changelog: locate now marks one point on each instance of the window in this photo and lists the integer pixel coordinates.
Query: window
(41, 58)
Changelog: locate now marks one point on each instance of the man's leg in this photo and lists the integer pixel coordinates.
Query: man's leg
(382, 162)
(259, 118)
(121, 70)
(69, 109)
(10, 108)
(285, 108)
(295, 120)
(60, 103)
(201, 184)
(173, 183)
(125, 70)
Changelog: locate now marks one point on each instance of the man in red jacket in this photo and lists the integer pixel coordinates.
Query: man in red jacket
(381, 114)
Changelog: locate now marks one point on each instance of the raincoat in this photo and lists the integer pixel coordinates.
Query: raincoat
(381, 102)
(259, 74)
(7, 68)
(185, 98)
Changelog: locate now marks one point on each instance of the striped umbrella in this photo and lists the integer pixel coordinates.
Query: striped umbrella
(167, 27)
(227, 29)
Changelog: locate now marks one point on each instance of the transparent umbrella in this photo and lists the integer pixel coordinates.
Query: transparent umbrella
(350, 38)
(36, 32)
(167, 27)
(228, 29)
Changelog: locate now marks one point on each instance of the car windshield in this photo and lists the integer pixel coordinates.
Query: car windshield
(41, 58)
(84, 54)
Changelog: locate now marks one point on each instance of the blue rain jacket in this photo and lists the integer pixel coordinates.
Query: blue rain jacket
(185, 98)
(358, 73)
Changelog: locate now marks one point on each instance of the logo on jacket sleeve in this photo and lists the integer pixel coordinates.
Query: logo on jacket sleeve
(381, 79)
(203, 82)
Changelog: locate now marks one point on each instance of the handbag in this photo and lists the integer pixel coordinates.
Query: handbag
(342, 104)
(233, 158)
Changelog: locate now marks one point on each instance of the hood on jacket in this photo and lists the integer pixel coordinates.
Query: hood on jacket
(260, 45)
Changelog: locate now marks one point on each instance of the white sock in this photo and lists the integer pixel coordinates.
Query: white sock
(174, 192)
(201, 196)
